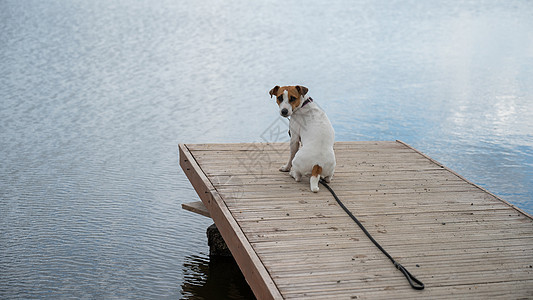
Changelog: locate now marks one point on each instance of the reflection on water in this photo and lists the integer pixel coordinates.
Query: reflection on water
(96, 95)
(215, 278)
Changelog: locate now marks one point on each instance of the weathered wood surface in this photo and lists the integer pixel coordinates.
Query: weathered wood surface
(459, 239)
(196, 207)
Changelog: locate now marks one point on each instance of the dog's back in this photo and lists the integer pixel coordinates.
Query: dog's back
(316, 156)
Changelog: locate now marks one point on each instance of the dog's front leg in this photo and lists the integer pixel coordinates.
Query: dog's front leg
(294, 145)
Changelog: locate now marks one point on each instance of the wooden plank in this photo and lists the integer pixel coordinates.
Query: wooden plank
(251, 266)
(196, 207)
(378, 146)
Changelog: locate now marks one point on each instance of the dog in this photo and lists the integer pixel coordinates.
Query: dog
(309, 126)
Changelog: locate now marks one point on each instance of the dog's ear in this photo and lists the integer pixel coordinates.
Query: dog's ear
(302, 90)
(274, 90)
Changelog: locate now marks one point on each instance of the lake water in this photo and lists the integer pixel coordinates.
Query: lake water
(96, 95)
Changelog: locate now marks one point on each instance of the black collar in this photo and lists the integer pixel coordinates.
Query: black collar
(307, 101)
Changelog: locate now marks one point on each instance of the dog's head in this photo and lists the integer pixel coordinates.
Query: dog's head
(289, 98)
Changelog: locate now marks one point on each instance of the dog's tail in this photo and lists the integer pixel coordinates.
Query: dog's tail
(315, 177)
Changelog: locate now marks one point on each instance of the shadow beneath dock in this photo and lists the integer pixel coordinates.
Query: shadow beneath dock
(214, 278)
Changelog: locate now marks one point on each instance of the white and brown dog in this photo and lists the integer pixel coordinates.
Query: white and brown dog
(309, 126)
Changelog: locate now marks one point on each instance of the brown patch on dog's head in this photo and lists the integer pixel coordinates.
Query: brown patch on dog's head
(294, 94)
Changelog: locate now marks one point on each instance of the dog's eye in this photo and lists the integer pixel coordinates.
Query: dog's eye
(292, 99)
(280, 98)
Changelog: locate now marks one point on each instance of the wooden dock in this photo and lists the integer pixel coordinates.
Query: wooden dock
(460, 240)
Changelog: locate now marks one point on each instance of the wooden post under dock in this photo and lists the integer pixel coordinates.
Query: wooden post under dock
(460, 240)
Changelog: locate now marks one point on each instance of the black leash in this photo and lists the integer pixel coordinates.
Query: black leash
(413, 281)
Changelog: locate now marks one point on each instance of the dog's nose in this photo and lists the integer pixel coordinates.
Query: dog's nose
(284, 112)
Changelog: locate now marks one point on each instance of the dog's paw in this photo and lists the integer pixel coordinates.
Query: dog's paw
(285, 168)
(297, 176)
(315, 189)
